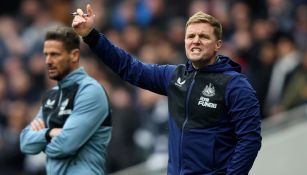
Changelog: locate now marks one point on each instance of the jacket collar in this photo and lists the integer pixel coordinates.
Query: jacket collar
(73, 77)
(223, 64)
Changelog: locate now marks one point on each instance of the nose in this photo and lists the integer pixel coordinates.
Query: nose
(196, 39)
(47, 60)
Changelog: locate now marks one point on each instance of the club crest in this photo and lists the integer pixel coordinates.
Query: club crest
(209, 90)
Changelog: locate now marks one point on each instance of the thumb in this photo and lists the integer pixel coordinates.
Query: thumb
(89, 10)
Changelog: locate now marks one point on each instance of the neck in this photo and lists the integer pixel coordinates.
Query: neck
(210, 61)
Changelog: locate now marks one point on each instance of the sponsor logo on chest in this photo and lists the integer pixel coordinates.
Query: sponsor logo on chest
(204, 100)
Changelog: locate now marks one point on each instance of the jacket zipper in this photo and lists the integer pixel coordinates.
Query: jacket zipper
(48, 124)
(185, 120)
(59, 103)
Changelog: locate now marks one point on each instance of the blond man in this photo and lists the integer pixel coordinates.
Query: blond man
(214, 121)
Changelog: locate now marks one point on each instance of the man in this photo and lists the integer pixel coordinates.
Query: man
(214, 123)
(73, 124)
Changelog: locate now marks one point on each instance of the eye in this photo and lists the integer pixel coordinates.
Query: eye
(53, 55)
(190, 36)
(204, 36)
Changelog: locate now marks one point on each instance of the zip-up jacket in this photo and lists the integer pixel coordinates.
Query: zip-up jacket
(214, 123)
(79, 106)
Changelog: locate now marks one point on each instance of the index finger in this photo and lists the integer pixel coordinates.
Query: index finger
(80, 12)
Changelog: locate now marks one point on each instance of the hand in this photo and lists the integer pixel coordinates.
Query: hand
(55, 132)
(82, 25)
(37, 124)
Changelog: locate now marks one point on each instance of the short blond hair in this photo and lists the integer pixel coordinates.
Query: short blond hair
(201, 17)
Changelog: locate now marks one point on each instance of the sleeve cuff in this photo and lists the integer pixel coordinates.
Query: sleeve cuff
(92, 38)
(47, 136)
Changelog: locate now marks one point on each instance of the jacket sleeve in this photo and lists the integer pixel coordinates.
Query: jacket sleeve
(152, 77)
(90, 109)
(33, 142)
(244, 110)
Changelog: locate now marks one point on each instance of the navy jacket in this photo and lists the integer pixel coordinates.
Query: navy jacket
(214, 123)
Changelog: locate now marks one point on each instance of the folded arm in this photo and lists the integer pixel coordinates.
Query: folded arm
(32, 138)
(90, 110)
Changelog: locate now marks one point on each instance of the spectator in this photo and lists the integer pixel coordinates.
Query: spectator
(296, 88)
(288, 57)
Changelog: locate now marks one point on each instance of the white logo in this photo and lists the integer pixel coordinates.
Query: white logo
(203, 101)
(209, 90)
(179, 83)
(49, 103)
(63, 106)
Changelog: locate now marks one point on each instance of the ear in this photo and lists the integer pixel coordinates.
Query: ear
(218, 45)
(75, 54)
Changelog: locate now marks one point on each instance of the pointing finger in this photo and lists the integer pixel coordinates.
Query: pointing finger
(80, 12)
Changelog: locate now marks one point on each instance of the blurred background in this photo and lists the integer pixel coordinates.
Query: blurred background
(267, 37)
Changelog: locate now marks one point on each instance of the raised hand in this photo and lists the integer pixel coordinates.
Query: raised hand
(83, 24)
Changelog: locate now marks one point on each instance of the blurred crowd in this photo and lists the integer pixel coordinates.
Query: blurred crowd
(267, 37)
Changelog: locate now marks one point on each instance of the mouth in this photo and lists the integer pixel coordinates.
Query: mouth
(51, 70)
(195, 50)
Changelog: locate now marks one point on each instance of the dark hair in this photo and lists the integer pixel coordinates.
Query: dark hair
(70, 39)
